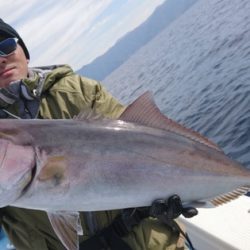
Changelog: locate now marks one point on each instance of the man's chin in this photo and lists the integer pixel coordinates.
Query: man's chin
(6, 80)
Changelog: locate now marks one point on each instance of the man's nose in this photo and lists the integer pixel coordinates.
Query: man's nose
(3, 60)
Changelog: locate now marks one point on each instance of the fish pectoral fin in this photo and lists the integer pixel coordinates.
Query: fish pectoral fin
(67, 226)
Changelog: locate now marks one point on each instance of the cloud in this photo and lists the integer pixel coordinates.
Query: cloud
(56, 30)
(73, 32)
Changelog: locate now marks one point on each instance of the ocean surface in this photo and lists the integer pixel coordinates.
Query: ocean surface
(198, 69)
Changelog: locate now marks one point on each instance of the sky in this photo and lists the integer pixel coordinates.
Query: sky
(73, 32)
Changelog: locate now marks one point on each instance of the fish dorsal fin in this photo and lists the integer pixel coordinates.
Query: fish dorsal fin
(227, 197)
(144, 111)
(67, 226)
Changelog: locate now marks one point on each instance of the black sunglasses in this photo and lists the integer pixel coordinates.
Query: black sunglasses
(8, 46)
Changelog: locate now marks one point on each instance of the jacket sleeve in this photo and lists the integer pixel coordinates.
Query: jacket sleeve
(103, 102)
(152, 234)
(73, 93)
(149, 234)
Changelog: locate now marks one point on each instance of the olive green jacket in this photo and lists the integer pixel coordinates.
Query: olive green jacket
(63, 95)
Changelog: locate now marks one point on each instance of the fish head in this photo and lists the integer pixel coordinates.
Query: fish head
(17, 163)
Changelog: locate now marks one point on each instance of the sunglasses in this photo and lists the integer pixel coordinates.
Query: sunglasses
(8, 46)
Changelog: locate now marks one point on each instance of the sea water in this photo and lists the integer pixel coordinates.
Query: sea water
(198, 69)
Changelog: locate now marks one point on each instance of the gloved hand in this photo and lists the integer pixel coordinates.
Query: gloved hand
(168, 210)
(171, 208)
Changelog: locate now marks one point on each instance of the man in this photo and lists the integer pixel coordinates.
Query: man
(56, 92)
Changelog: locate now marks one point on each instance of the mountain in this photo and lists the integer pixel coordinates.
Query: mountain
(163, 15)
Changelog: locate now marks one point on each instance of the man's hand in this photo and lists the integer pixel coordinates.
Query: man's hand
(171, 208)
(168, 210)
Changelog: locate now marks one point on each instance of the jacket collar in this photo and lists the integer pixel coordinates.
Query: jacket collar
(26, 93)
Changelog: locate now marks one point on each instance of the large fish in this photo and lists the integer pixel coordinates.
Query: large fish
(90, 164)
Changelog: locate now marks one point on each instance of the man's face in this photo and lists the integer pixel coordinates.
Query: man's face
(13, 67)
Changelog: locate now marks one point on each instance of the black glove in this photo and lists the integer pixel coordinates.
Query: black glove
(168, 210)
(171, 208)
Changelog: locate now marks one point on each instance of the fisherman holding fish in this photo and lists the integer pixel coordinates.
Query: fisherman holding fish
(66, 145)
(56, 92)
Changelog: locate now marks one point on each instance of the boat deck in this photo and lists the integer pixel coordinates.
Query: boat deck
(225, 227)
